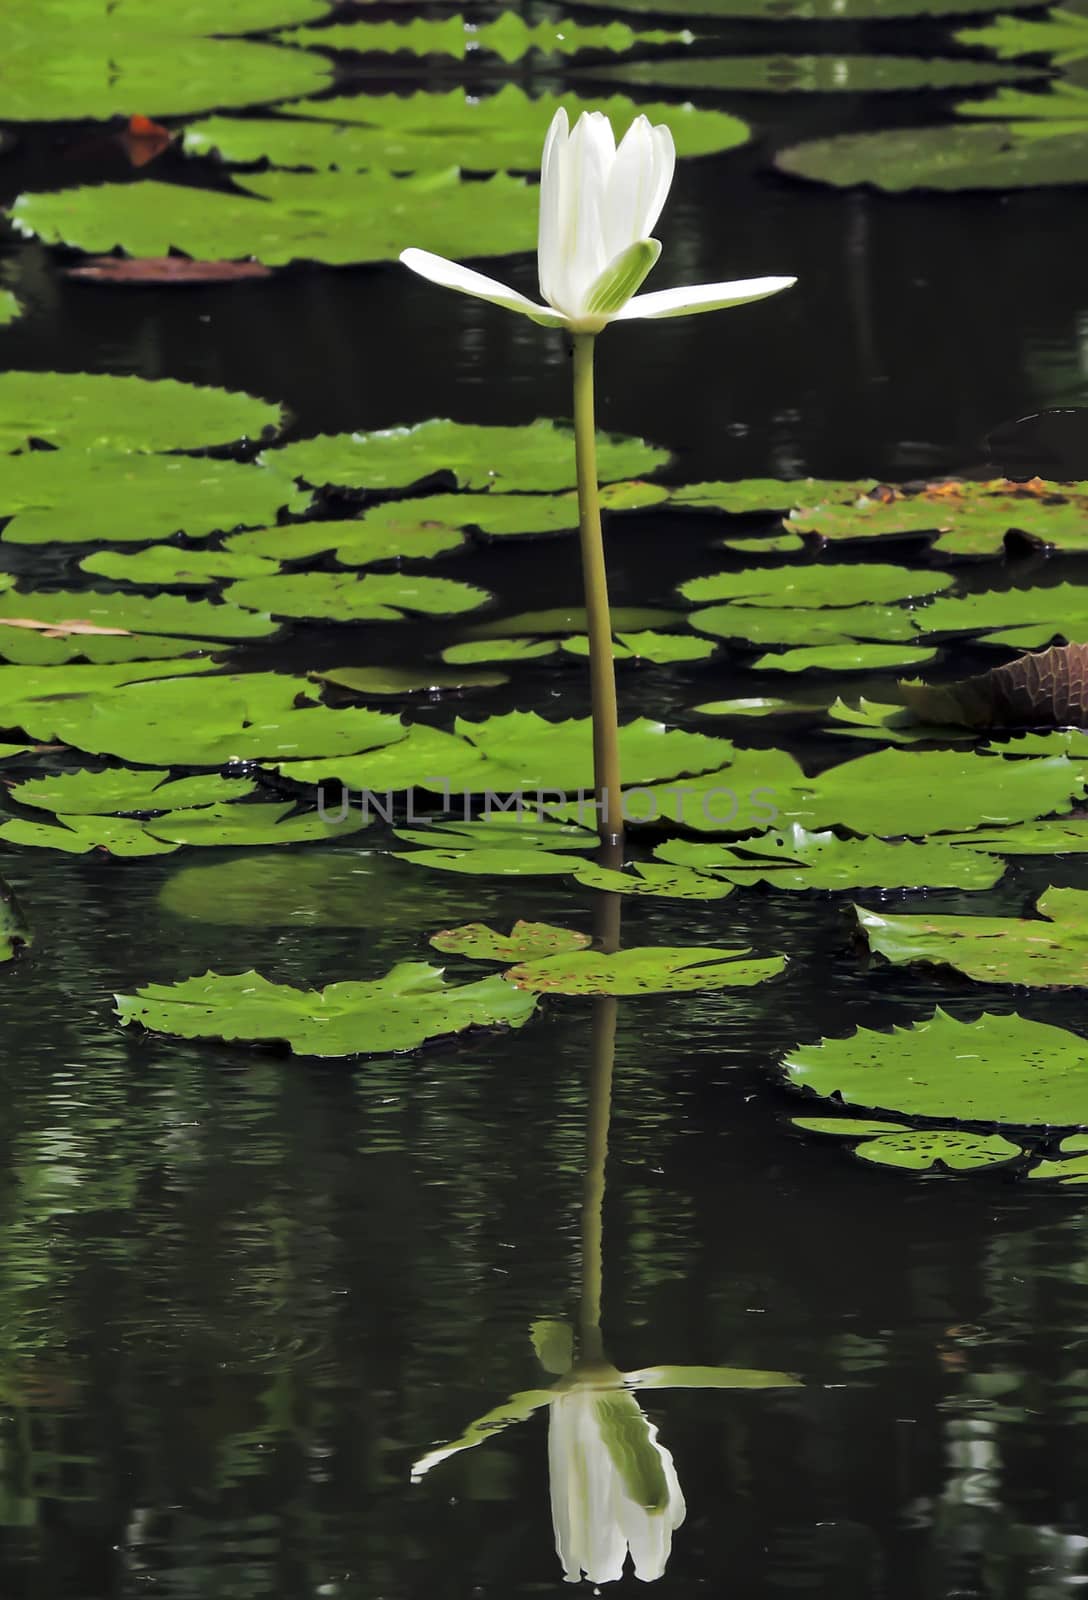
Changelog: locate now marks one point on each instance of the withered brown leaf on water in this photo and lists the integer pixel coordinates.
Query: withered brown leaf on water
(166, 269)
(1045, 688)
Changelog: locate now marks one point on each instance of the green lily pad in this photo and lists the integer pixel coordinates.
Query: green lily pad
(47, 646)
(401, 1011)
(88, 793)
(1063, 34)
(1070, 1172)
(847, 1127)
(1067, 836)
(662, 969)
(526, 940)
(474, 650)
(807, 626)
(249, 825)
(798, 860)
(508, 36)
(117, 836)
(892, 793)
(572, 619)
(505, 844)
(169, 566)
(523, 751)
(160, 614)
(423, 758)
(845, 658)
(652, 878)
(501, 131)
(494, 863)
(889, 723)
(1064, 103)
(234, 717)
(921, 1149)
(809, 74)
(764, 544)
(73, 71)
(766, 494)
(753, 706)
(534, 456)
(186, 19)
(662, 649)
(817, 585)
(10, 308)
(969, 156)
(750, 793)
(814, 10)
(335, 218)
(1050, 954)
(996, 1069)
(355, 543)
(85, 496)
(1062, 606)
(125, 413)
(410, 680)
(344, 597)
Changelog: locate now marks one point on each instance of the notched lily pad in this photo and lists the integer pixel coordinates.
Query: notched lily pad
(406, 1008)
(654, 879)
(125, 413)
(345, 597)
(795, 859)
(525, 941)
(659, 970)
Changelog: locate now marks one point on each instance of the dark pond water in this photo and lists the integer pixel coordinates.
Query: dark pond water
(241, 1293)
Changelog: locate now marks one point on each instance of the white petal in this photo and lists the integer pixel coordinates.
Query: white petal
(588, 161)
(451, 275)
(548, 240)
(700, 297)
(629, 188)
(664, 166)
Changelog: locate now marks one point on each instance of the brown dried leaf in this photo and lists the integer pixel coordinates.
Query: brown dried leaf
(158, 270)
(1046, 688)
(59, 630)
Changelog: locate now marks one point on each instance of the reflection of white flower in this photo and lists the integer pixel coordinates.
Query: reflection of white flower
(598, 204)
(614, 1489)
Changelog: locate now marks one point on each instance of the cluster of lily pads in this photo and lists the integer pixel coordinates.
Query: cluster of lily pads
(210, 537)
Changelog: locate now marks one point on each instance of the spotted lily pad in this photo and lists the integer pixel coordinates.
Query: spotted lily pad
(85, 496)
(658, 970)
(918, 1150)
(1050, 953)
(798, 860)
(125, 413)
(525, 941)
(831, 585)
(654, 879)
(1003, 1069)
(533, 456)
(401, 1011)
(280, 217)
(344, 597)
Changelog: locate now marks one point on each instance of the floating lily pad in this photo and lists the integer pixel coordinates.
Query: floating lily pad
(160, 614)
(1063, 34)
(662, 649)
(809, 74)
(971, 518)
(1074, 1171)
(344, 597)
(82, 496)
(474, 650)
(742, 495)
(400, 1011)
(817, 585)
(1061, 606)
(798, 860)
(506, 844)
(10, 308)
(117, 836)
(423, 758)
(534, 456)
(753, 706)
(1065, 103)
(892, 793)
(1059, 837)
(888, 723)
(968, 156)
(498, 131)
(75, 71)
(249, 825)
(996, 1069)
(1050, 953)
(89, 793)
(807, 626)
(847, 1127)
(765, 544)
(752, 792)
(572, 619)
(234, 717)
(653, 878)
(410, 680)
(355, 543)
(526, 940)
(921, 1149)
(814, 10)
(32, 643)
(335, 218)
(845, 658)
(125, 413)
(524, 751)
(169, 566)
(508, 36)
(659, 970)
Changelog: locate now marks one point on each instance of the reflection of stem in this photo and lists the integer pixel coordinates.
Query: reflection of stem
(602, 672)
(605, 1009)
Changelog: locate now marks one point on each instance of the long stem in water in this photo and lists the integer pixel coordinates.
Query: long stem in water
(602, 672)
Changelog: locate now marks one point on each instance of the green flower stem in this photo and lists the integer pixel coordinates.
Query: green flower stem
(603, 1052)
(602, 672)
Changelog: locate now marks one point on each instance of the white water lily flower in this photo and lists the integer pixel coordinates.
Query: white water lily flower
(614, 1489)
(598, 207)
